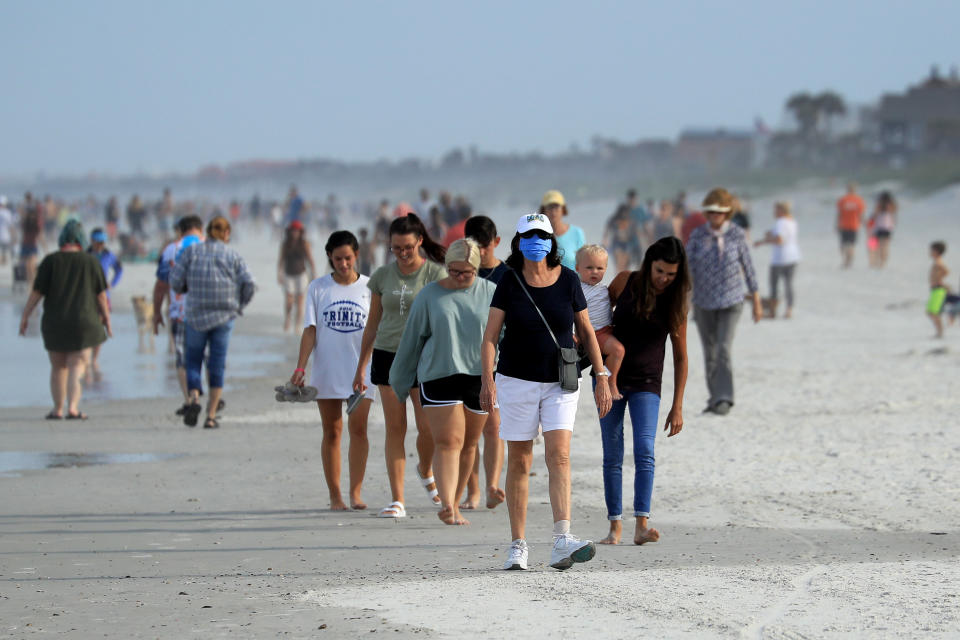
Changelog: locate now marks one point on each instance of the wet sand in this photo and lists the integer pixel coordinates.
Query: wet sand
(825, 505)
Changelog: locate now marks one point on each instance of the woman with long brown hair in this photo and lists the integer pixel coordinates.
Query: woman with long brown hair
(394, 286)
(292, 265)
(651, 304)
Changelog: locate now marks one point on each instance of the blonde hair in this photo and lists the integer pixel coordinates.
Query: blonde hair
(720, 197)
(218, 228)
(591, 250)
(783, 205)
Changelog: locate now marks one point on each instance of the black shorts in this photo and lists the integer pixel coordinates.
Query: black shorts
(380, 364)
(848, 236)
(452, 390)
(882, 234)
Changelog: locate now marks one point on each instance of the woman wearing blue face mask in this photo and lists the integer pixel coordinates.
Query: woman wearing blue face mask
(536, 293)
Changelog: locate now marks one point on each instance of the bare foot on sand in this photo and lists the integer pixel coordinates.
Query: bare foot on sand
(471, 503)
(357, 504)
(448, 515)
(338, 505)
(644, 535)
(616, 529)
(495, 496)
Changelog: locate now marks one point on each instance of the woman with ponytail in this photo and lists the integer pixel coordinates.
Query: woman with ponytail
(651, 304)
(393, 287)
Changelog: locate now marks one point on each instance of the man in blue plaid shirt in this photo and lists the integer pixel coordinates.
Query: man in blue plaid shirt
(220, 286)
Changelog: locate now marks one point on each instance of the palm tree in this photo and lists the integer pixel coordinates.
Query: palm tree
(806, 111)
(830, 104)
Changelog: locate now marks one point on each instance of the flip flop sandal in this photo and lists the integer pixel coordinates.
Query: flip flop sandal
(354, 400)
(52, 416)
(211, 423)
(191, 414)
(393, 510)
(76, 416)
(433, 494)
(293, 393)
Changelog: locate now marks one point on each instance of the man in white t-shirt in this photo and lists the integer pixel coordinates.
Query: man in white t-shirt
(190, 230)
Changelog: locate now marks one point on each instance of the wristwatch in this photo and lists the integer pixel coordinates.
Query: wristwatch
(603, 373)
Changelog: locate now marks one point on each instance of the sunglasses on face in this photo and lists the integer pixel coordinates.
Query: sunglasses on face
(465, 273)
(539, 233)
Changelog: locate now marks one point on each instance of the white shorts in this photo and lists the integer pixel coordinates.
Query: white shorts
(526, 406)
(296, 285)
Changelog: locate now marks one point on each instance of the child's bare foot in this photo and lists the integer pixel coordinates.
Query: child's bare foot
(338, 504)
(615, 392)
(616, 529)
(644, 535)
(495, 496)
(357, 504)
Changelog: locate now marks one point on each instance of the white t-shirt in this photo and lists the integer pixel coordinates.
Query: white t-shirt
(598, 304)
(789, 251)
(340, 314)
(6, 224)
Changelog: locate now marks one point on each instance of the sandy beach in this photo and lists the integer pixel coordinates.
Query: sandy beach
(826, 505)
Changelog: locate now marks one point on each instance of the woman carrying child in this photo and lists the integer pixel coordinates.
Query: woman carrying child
(651, 304)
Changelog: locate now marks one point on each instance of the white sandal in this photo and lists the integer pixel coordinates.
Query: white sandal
(433, 494)
(393, 510)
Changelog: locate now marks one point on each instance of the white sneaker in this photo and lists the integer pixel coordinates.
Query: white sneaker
(517, 556)
(568, 548)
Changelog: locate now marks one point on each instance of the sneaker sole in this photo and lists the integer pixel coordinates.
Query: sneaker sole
(583, 554)
(514, 567)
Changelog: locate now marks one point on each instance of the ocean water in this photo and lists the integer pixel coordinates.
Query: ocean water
(126, 372)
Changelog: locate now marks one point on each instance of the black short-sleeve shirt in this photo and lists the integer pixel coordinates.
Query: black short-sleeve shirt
(70, 282)
(527, 351)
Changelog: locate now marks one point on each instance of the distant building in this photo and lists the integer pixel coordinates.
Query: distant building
(924, 120)
(715, 148)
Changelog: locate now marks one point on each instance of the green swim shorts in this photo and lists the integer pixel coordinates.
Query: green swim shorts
(938, 295)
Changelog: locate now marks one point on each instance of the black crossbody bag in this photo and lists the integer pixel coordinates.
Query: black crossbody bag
(567, 357)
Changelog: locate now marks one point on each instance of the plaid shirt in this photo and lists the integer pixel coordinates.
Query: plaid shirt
(720, 281)
(218, 281)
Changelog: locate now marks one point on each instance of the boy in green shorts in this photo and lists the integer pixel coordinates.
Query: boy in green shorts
(938, 287)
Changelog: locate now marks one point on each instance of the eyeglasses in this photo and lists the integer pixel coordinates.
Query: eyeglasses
(458, 273)
(716, 213)
(404, 249)
(540, 233)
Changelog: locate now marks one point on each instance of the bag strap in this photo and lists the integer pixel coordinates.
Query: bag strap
(530, 298)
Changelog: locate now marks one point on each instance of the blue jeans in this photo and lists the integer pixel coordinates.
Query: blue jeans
(644, 407)
(195, 343)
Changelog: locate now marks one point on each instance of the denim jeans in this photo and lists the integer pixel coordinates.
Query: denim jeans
(195, 344)
(644, 408)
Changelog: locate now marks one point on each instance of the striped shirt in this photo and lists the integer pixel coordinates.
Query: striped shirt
(720, 280)
(219, 283)
(598, 304)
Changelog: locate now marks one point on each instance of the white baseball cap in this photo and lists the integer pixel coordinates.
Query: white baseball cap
(533, 221)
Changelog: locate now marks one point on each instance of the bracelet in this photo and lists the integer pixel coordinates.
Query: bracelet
(299, 369)
(603, 373)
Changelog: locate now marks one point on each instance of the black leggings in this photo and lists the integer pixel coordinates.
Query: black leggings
(784, 271)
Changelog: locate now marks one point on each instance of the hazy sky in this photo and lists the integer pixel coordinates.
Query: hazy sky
(127, 85)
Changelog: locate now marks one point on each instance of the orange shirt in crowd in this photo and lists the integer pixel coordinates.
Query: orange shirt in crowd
(850, 210)
(455, 232)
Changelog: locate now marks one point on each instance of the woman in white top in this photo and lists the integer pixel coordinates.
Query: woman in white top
(786, 253)
(336, 315)
(884, 219)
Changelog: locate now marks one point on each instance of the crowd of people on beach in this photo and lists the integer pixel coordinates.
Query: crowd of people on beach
(488, 352)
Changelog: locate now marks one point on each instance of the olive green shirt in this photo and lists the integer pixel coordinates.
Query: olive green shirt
(70, 282)
(397, 292)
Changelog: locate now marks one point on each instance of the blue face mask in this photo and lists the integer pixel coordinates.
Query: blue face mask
(535, 249)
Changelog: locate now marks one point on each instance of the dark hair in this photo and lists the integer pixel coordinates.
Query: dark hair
(289, 244)
(189, 223)
(480, 228)
(677, 293)
(339, 239)
(515, 261)
(411, 224)
(885, 200)
(631, 194)
(939, 246)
